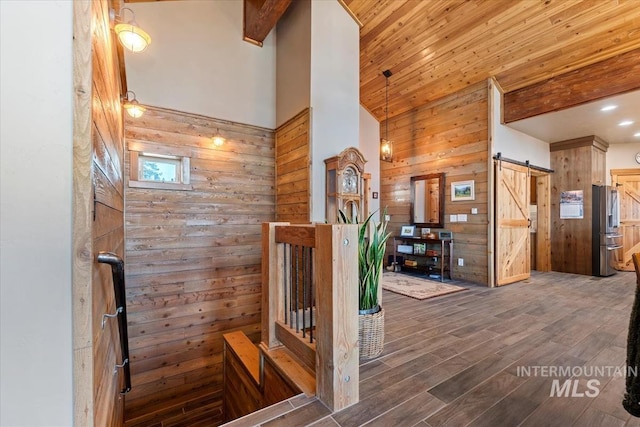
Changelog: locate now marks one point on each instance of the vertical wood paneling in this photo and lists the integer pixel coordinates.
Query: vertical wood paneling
(99, 225)
(451, 136)
(577, 164)
(293, 170)
(82, 215)
(193, 262)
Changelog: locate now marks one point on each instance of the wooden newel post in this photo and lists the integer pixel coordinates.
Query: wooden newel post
(336, 283)
(272, 283)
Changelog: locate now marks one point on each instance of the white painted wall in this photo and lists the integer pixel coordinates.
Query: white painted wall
(35, 219)
(622, 156)
(335, 91)
(370, 148)
(514, 144)
(293, 61)
(197, 62)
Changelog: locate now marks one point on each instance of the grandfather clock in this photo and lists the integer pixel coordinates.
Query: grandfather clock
(347, 186)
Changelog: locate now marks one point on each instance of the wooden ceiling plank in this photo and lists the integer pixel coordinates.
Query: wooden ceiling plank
(520, 77)
(448, 48)
(259, 18)
(381, 22)
(470, 31)
(590, 48)
(413, 33)
(430, 69)
(526, 46)
(373, 12)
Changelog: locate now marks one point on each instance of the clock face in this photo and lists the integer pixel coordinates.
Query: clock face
(349, 181)
(638, 158)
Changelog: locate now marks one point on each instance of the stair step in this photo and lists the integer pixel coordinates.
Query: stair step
(292, 369)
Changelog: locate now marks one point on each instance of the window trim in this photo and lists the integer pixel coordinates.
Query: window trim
(136, 182)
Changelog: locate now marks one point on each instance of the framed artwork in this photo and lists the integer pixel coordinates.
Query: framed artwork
(463, 190)
(407, 230)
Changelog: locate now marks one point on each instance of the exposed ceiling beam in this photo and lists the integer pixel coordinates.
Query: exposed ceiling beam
(260, 16)
(612, 76)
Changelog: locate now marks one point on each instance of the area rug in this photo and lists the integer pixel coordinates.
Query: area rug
(416, 287)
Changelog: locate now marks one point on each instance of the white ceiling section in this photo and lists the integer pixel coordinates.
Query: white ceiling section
(587, 119)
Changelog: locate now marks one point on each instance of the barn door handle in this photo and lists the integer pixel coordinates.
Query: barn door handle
(529, 222)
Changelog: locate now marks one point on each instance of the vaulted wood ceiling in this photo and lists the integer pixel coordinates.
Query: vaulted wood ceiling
(436, 47)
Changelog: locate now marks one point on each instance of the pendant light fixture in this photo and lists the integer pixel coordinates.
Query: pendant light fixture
(386, 146)
(134, 109)
(131, 36)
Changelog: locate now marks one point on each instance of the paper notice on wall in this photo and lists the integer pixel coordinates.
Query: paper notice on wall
(571, 204)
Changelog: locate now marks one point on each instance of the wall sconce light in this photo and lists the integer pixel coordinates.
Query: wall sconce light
(131, 36)
(386, 145)
(134, 109)
(218, 141)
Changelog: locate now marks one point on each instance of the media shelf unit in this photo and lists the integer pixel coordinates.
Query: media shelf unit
(433, 256)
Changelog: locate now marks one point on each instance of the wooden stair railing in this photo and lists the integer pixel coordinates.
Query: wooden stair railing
(314, 264)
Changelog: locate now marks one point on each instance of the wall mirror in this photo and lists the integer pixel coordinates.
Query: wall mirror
(427, 200)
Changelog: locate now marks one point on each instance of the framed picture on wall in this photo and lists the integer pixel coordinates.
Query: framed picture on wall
(407, 230)
(463, 190)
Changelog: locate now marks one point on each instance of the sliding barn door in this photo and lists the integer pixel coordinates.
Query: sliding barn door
(629, 190)
(513, 257)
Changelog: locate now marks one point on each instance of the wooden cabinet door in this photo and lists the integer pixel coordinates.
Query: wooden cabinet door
(629, 192)
(513, 256)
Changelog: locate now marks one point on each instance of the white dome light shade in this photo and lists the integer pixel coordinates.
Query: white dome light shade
(132, 37)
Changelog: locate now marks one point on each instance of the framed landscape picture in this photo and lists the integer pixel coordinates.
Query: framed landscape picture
(463, 190)
(407, 230)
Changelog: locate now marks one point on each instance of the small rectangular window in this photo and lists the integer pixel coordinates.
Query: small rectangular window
(159, 168)
(159, 171)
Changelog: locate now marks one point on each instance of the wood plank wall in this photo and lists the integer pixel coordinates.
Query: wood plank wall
(577, 164)
(293, 170)
(98, 214)
(449, 135)
(193, 262)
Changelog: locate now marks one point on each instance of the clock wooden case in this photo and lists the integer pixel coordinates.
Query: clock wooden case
(347, 185)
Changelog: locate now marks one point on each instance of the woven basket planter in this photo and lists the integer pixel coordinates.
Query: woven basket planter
(371, 334)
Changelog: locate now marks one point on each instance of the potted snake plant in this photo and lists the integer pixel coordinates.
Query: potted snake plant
(372, 239)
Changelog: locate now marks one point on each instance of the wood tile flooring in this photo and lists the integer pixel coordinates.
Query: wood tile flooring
(454, 360)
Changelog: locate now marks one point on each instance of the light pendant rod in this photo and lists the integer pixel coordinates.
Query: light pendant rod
(387, 74)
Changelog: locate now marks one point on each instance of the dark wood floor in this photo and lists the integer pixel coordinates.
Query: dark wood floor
(453, 360)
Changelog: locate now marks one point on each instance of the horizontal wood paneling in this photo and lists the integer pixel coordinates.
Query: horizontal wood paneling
(450, 136)
(107, 222)
(606, 78)
(293, 169)
(193, 261)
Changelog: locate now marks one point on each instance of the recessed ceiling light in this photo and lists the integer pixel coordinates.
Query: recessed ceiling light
(625, 123)
(608, 107)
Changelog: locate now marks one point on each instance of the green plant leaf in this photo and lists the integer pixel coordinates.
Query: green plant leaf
(372, 240)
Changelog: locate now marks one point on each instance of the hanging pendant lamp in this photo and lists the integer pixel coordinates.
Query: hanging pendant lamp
(386, 145)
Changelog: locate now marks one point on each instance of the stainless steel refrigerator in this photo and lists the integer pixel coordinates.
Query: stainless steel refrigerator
(606, 220)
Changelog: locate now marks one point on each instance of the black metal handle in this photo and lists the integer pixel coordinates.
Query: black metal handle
(117, 270)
